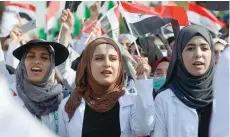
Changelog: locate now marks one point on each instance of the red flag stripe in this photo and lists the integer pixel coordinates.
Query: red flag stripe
(117, 12)
(176, 12)
(54, 7)
(25, 6)
(204, 12)
(88, 28)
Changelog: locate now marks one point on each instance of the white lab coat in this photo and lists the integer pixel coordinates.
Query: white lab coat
(174, 118)
(219, 126)
(14, 121)
(47, 120)
(9, 58)
(136, 113)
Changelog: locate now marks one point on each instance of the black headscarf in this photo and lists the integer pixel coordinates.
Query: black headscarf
(150, 49)
(194, 91)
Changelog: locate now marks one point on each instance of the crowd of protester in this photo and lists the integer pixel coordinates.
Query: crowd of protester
(149, 86)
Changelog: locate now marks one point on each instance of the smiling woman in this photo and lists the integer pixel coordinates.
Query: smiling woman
(37, 63)
(34, 84)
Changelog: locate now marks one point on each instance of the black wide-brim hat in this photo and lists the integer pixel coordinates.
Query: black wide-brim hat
(61, 53)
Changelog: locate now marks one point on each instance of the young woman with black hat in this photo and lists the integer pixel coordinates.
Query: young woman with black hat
(34, 85)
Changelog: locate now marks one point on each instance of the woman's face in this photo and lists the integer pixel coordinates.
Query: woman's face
(125, 42)
(219, 48)
(161, 69)
(159, 43)
(37, 62)
(105, 64)
(133, 51)
(197, 56)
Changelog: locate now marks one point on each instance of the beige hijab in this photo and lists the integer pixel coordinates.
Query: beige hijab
(99, 97)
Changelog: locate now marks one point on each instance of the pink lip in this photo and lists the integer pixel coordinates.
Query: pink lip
(198, 63)
(36, 73)
(107, 72)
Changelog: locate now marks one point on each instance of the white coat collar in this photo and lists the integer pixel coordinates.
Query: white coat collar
(177, 101)
(124, 101)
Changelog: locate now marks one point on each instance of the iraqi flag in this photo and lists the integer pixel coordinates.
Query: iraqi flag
(202, 16)
(144, 19)
(25, 11)
(108, 24)
(51, 19)
(11, 15)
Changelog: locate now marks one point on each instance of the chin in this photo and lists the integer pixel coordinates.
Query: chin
(106, 82)
(199, 73)
(35, 79)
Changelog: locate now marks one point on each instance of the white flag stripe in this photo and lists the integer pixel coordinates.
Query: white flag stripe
(203, 21)
(51, 23)
(113, 19)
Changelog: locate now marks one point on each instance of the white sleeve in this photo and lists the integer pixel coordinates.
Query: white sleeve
(67, 72)
(219, 125)
(160, 128)
(9, 58)
(142, 112)
(79, 46)
(62, 120)
(3, 71)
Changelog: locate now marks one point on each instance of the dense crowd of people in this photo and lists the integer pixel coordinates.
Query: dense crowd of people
(149, 86)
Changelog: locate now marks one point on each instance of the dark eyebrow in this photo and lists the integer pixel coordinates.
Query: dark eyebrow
(35, 53)
(101, 55)
(158, 69)
(31, 52)
(45, 54)
(193, 45)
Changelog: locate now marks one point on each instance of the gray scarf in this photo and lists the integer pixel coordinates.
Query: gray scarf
(39, 98)
(194, 91)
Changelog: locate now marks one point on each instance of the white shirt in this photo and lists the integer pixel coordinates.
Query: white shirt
(219, 126)
(136, 113)
(174, 118)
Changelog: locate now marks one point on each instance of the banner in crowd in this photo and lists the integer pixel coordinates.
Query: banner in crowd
(13, 13)
(145, 19)
(202, 16)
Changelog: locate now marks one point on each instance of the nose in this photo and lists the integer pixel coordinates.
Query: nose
(107, 62)
(37, 61)
(198, 52)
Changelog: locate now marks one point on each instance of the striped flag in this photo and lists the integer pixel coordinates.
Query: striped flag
(144, 19)
(54, 7)
(11, 13)
(25, 11)
(110, 23)
(202, 16)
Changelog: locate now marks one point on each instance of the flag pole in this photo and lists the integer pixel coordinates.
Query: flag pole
(131, 32)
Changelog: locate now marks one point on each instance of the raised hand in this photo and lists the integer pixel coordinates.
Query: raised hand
(67, 20)
(142, 67)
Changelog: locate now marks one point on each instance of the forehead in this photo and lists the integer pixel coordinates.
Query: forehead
(105, 49)
(219, 46)
(38, 49)
(125, 39)
(197, 40)
(158, 40)
(163, 65)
